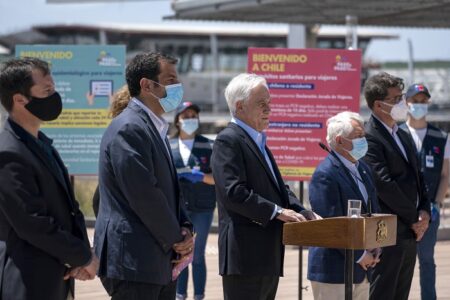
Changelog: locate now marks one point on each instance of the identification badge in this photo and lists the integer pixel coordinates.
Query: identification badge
(429, 161)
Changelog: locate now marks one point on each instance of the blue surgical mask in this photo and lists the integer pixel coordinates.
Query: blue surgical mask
(418, 110)
(360, 148)
(173, 98)
(189, 125)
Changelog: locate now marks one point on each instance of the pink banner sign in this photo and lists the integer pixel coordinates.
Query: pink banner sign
(307, 86)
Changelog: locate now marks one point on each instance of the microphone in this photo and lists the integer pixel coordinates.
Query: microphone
(322, 145)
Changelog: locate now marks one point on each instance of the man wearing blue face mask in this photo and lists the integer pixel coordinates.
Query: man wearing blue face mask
(433, 149)
(340, 177)
(192, 157)
(141, 226)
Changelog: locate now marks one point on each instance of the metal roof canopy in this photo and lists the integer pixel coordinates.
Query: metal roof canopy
(404, 13)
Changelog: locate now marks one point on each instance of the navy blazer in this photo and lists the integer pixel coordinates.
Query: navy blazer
(250, 243)
(139, 216)
(42, 230)
(330, 189)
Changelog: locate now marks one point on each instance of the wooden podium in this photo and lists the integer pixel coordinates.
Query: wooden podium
(378, 230)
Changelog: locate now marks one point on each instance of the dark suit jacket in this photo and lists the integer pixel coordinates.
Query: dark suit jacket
(249, 242)
(42, 231)
(330, 189)
(139, 215)
(397, 180)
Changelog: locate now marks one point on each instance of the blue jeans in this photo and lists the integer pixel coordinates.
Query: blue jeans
(202, 222)
(425, 251)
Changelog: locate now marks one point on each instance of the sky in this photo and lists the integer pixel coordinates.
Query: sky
(16, 15)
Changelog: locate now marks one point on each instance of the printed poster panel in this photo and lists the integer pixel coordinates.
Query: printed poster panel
(86, 77)
(307, 86)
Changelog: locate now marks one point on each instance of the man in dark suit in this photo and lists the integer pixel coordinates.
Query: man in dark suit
(253, 201)
(43, 239)
(393, 160)
(141, 227)
(340, 177)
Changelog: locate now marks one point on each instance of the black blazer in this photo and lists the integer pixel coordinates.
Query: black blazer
(397, 180)
(42, 230)
(249, 242)
(139, 215)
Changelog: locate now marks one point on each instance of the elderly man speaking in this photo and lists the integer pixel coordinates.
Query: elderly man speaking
(339, 177)
(253, 201)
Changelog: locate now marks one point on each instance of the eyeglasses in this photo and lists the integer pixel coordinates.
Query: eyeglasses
(396, 99)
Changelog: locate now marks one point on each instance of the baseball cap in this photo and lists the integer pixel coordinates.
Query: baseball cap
(182, 107)
(416, 89)
(185, 105)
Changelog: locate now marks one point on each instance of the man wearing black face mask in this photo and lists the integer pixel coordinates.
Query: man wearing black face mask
(43, 239)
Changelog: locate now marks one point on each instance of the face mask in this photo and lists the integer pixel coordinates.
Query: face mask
(399, 111)
(189, 125)
(418, 110)
(360, 148)
(173, 98)
(45, 109)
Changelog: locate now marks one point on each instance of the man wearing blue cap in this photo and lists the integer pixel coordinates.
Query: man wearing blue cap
(433, 150)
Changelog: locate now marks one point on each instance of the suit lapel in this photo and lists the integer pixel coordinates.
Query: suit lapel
(156, 136)
(369, 185)
(409, 147)
(255, 149)
(381, 130)
(38, 152)
(345, 173)
(279, 179)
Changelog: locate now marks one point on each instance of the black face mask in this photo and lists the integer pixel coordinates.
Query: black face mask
(45, 109)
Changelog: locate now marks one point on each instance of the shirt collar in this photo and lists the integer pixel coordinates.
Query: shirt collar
(160, 123)
(348, 164)
(392, 130)
(258, 137)
(26, 136)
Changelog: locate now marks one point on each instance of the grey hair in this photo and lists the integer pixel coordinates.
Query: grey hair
(340, 125)
(240, 87)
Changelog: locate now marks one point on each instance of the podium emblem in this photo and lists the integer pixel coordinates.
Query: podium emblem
(381, 232)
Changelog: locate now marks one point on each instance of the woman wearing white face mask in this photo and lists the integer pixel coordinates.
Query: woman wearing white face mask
(433, 149)
(191, 154)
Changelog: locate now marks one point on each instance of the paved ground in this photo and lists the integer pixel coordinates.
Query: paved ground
(288, 288)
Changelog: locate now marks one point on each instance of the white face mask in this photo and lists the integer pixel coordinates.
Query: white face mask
(399, 111)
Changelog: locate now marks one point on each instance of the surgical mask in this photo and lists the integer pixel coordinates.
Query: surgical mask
(173, 98)
(399, 111)
(45, 109)
(189, 125)
(418, 110)
(360, 148)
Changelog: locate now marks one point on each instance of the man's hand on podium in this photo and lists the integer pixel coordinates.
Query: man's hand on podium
(288, 215)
